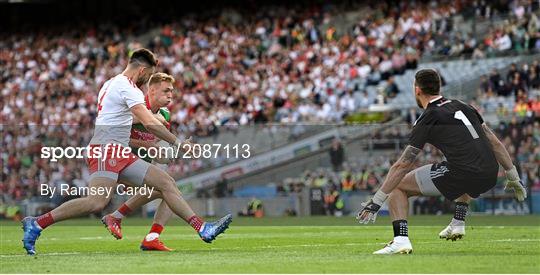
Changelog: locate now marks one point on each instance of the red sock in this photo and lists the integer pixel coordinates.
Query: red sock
(196, 222)
(156, 228)
(124, 209)
(45, 220)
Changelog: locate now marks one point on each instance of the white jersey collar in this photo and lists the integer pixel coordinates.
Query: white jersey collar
(435, 99)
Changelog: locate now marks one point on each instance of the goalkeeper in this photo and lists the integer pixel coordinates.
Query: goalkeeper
(473, 154)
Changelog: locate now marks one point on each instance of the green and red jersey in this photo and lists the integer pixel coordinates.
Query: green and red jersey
(139, 132)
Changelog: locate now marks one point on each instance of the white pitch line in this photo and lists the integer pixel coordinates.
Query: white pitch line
(51, 254)
(268, 247)
(91, 238)
(516, 240)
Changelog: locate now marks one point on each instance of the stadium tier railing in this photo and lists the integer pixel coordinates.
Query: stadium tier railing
(294, 152)
(461, 76)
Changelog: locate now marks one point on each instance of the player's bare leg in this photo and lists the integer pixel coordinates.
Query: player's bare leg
(163, 214)
(135, 202)
(87, 205)
(164, 183)
(113, 221)
(456, 229)
(74, 208)
(161, 217)
(398, 205)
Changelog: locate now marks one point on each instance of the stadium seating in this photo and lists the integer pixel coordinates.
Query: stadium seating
(454, 73)
(291, 66)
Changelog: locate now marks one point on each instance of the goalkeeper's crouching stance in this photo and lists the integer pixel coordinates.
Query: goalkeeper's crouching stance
(473, 154)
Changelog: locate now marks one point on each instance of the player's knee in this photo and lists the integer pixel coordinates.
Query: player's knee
(97, 208)
(163, 182)
(98, 205)
(397, 194)
(407, 188)
(464, 198)
(393, 196)
(170, 185)
(167, 182)
(156, 195)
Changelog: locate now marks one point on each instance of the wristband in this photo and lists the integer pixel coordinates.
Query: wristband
(512, 173)
(379, 197)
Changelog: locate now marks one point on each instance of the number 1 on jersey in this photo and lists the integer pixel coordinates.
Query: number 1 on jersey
(461, 116)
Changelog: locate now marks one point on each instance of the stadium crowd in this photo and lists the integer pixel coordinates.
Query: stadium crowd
(514, 26)
(521, 137)
(280, 64)
(517, 92)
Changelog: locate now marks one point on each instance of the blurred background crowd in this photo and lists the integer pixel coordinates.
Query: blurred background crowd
(247, 65)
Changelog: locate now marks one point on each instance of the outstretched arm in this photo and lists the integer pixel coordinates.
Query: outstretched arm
(500, 152)
(138, 143)
(154, 126)
(503, 157)
(158, 116)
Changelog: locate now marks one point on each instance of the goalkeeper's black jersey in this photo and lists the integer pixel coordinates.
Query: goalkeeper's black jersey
(455, 128)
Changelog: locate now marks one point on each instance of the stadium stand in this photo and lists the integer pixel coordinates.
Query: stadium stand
(280, 65)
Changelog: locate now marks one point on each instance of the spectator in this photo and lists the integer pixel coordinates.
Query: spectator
(337, 155)
(391, 90)
(511, 72)
(222, 189)
(253, 209)
(333, 202)
(347, 184)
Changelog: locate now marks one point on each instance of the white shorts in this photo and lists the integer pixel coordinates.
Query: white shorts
(424, 181)
(135, 173)
(130, 169)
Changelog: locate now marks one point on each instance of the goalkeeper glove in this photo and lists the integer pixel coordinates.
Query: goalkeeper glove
(514, 183)
(370, 208)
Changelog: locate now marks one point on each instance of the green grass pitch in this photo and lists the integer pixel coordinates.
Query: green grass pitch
(501, 244)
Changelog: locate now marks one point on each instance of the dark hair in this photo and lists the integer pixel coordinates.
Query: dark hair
(143, 56)
(429, 81)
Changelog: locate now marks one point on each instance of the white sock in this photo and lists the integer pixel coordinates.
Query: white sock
(117, 214)
(455, 222)
(151, 236)
(401, 239)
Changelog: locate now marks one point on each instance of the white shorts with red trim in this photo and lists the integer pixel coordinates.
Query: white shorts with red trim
(114, 164)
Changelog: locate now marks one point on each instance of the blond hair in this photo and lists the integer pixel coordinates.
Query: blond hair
(160, 77)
